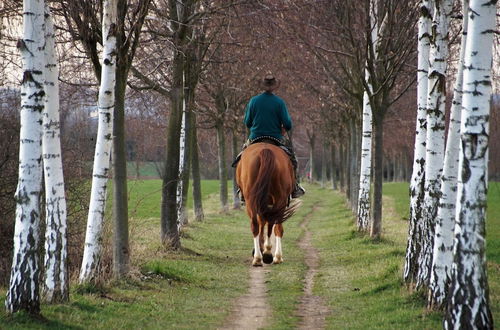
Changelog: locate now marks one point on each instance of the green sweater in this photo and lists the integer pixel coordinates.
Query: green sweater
(265, 114)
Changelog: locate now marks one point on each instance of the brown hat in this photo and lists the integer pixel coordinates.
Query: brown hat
(269, 82)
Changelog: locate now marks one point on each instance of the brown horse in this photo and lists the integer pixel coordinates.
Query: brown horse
(266, 179)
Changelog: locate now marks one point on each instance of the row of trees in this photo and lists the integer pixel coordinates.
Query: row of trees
(446, 243)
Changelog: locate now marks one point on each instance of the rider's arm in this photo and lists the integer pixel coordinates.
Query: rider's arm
(249, 115)
(285, 117)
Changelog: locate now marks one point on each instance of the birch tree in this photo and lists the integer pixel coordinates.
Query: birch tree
(181, 210)
(434, 154)
(23, 292)
(106, 103)
(468, 305)
(445, 221)
(55, 287)
(366, 140)
(418, 174)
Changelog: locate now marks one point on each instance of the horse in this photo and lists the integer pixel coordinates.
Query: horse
(266, 178)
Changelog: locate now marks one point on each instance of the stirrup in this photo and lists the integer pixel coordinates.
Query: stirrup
(298, 191)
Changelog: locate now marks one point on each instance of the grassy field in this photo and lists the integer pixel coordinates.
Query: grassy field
(359, 279)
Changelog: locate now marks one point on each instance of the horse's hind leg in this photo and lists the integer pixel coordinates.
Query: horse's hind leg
(257, 254)
(278, 254)
(267, 255)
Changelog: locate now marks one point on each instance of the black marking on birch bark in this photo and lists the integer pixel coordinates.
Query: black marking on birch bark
(112, 30)
(108, 117)
(424, 12)
(472, 13)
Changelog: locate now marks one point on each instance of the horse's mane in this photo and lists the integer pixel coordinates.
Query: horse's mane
(260, 197)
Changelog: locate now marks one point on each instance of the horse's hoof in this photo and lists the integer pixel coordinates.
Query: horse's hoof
(267, 258)
(277, 260)
(257, 262)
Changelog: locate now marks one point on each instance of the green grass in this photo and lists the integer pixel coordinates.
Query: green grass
(146, 170)
(194, 288)
(398, 193)
(360, 278)
(189, 289)
(145, 196)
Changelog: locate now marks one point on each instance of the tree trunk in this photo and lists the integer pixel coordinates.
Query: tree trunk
(468, 306)
(333, 166)
(188, 162)
(342, 168)
(106, 103)
(312, 171)
(353, 172)
(221, 143)
(23, 292)
(324, 164)
(236, 150)
(363, 214)
(56, 285)
(169, 230)
(121, 250)
(435, 135)
(418, 174)
(197, 199)
(182, 218)
(378, 175)
(445, 222)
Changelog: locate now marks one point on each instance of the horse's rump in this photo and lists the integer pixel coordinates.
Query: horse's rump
(270, 186)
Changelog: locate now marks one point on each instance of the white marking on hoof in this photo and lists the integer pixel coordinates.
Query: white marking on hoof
(257, 262)
(278, 254)
(267, 246)
(257, 255)
(277, 260)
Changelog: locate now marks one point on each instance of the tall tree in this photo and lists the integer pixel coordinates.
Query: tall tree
(468, 306)
(442, 258)
(363, 213)
(179, 16)
(106, 104)
(434, 154)
(418, 174)
(23, 292)
(56, 283)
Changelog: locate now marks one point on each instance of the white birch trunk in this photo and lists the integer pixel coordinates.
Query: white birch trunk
(181, 211)
(93, 237)
(418, 173)
(55, 287)
(23, 292)
(434, 155)
(468, 306)
(366, 163)
(445, 221)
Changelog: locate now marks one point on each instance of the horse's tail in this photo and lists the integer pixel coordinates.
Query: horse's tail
(259, 199)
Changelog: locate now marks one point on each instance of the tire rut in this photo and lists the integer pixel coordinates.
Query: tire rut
(312, 309)
(251, 311)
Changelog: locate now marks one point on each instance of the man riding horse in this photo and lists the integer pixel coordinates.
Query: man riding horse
(267, 117)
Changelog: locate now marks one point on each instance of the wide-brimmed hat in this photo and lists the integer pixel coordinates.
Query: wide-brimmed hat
(269, 82)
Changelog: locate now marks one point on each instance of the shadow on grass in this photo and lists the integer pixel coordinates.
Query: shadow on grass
(23, 319)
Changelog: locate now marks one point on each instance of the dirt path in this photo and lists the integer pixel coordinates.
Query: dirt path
(312, 309)
(251, 310)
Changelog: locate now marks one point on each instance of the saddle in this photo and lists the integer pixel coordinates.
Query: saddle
(263, 139)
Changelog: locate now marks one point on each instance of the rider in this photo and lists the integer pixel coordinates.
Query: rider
(266, 115)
